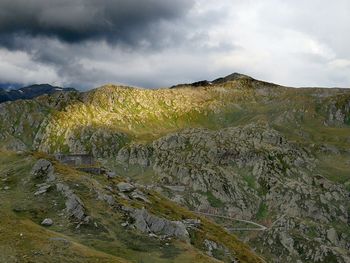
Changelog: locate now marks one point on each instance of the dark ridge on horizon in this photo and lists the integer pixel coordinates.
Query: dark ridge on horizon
(30, 92)
(203, 83)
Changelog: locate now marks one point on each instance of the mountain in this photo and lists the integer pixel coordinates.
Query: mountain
(30, 92)
(235, 170)
(202, 83)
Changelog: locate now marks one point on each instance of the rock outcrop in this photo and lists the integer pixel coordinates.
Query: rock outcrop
(74, 205)
(47, 222)
(235, 146)
(148, 223)
(251, 173)
(43, 169)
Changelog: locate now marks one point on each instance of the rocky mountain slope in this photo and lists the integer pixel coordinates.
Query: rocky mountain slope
(53, 213)
(270, 164)
(29, 92)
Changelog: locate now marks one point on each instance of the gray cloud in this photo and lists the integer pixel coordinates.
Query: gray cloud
(60, 34)
(158, 43)
(72, 21)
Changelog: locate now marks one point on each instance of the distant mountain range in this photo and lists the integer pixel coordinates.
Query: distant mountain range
(29, 92)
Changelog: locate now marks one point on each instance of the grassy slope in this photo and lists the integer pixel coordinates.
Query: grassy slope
(23, 238)
(144, 115)
(149, 114)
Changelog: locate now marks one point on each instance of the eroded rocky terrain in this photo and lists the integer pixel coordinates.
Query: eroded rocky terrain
(269, 164)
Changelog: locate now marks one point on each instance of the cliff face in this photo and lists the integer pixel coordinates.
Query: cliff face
(270, 155)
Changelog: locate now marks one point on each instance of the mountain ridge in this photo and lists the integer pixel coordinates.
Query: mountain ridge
(30, 92)
(240, 148)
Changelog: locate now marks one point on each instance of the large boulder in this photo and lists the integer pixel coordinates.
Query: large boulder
(47, 222)
(148, 223)
(74, 205)
(42, 169)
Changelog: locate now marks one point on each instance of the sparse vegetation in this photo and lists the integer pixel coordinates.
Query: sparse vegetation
(213, 201)
(108, 242)
(250, 149)
(262, 212)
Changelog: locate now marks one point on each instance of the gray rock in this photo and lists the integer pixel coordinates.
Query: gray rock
(43, 188)
(74, 206)
(111, 175)
(125, 187)
(138, 195)
(288, 242)
(51, 177)
(124, 196)
(178, 199)
(47, 222)
(135, 154)
(210, 246)
(192, 223)
(16, 145)
(148, 223)
(175, 188)
(332, 236)
(42, 169)
(108, 198)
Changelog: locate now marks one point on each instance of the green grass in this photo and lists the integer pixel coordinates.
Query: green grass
(213, 201)
(250, 179)
(109, 241)
(208, 230)
(22, 237)
(335, 167)
(262, 212)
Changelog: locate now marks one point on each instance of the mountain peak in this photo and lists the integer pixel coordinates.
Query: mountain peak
(231, 77)
(203, 83)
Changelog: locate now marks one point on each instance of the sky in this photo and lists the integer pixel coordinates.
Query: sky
(160, 43)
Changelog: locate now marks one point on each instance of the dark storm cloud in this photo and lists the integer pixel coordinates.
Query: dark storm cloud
(158, 43)
(74, 21)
